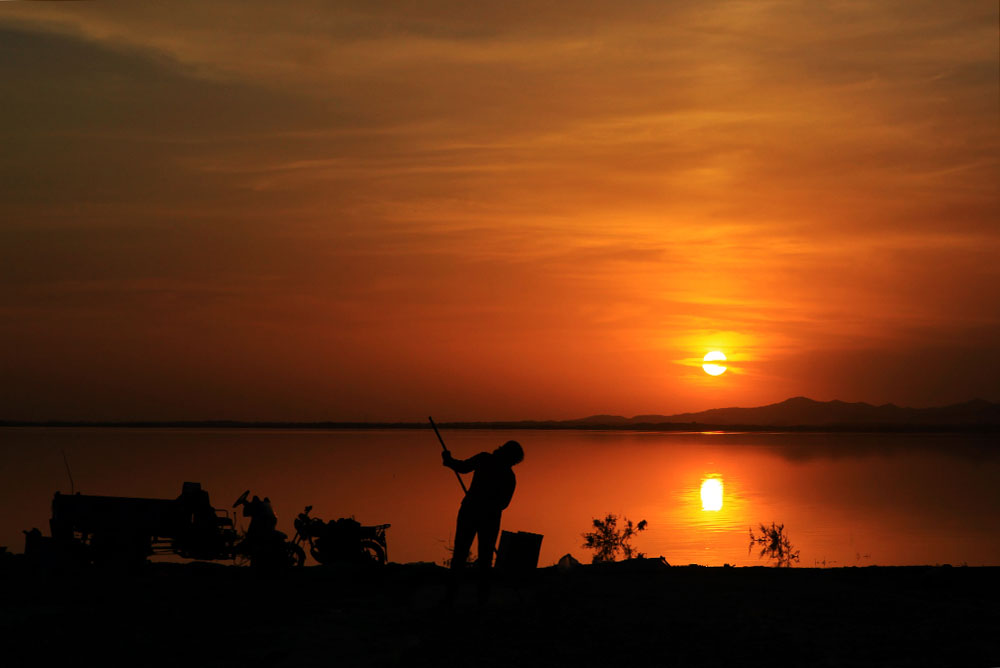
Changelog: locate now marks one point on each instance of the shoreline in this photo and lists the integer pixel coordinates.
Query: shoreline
(216, 615)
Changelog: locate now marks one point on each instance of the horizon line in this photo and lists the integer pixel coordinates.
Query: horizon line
(586, 422)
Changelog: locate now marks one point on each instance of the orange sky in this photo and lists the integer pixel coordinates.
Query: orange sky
(349, 211)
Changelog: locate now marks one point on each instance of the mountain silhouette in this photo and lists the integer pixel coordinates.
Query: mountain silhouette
(799, 411)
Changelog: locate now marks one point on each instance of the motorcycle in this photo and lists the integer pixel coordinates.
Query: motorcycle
(264, 546)
(341, 541)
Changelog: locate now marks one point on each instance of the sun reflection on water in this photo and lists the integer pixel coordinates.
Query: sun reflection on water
(711, 494)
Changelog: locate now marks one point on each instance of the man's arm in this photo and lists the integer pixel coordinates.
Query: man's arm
(460, 465)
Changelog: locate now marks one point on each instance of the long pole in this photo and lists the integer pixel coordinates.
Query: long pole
(445, 448)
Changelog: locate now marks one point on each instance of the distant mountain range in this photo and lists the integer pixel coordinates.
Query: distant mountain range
(802, 411)
(798, 413)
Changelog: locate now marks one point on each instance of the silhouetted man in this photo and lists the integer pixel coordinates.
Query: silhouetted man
(489, 494)
(200, 523)
(263, 521)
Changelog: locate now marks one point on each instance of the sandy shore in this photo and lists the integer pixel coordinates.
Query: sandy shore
(213, 615)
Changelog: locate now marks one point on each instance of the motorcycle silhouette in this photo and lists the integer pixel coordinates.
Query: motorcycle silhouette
(264, 546)
(341, 541)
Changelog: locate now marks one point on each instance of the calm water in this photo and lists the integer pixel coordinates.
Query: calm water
(844, 499)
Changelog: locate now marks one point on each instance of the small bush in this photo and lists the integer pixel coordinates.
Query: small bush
(774, 544)
(608, 541)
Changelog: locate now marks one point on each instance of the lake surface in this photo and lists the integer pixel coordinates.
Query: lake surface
(845, 499)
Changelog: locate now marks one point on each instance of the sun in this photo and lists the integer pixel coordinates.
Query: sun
(711, 367)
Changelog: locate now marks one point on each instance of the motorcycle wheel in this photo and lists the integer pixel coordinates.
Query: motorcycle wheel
(295, 554)
(372, 553)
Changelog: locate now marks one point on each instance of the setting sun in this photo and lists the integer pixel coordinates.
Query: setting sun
(711, 367)
(711, 494)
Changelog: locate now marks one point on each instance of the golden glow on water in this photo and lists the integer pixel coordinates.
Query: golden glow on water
(711, 494)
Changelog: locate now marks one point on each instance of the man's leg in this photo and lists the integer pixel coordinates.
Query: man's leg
(489, 528)
(465, 530)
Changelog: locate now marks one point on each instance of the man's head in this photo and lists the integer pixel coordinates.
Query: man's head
(511, 452)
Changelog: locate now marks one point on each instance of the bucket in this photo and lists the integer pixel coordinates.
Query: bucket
(518, 552)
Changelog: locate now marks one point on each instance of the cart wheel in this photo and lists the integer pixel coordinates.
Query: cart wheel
(120, 551)
(295, 554)
(372, 553)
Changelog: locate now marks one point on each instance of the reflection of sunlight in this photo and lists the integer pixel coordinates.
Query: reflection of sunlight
(704, 527)
(711, 494)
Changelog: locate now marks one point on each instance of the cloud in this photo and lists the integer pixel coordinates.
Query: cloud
(602, 189)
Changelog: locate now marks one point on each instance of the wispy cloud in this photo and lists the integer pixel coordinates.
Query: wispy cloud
(604, 187)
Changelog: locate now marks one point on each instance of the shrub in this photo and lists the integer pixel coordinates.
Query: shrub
(608, 541)
(774, 544)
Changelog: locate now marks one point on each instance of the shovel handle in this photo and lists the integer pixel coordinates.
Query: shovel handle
(445, 448)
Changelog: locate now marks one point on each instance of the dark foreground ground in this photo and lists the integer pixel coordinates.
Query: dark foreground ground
(624, 615)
